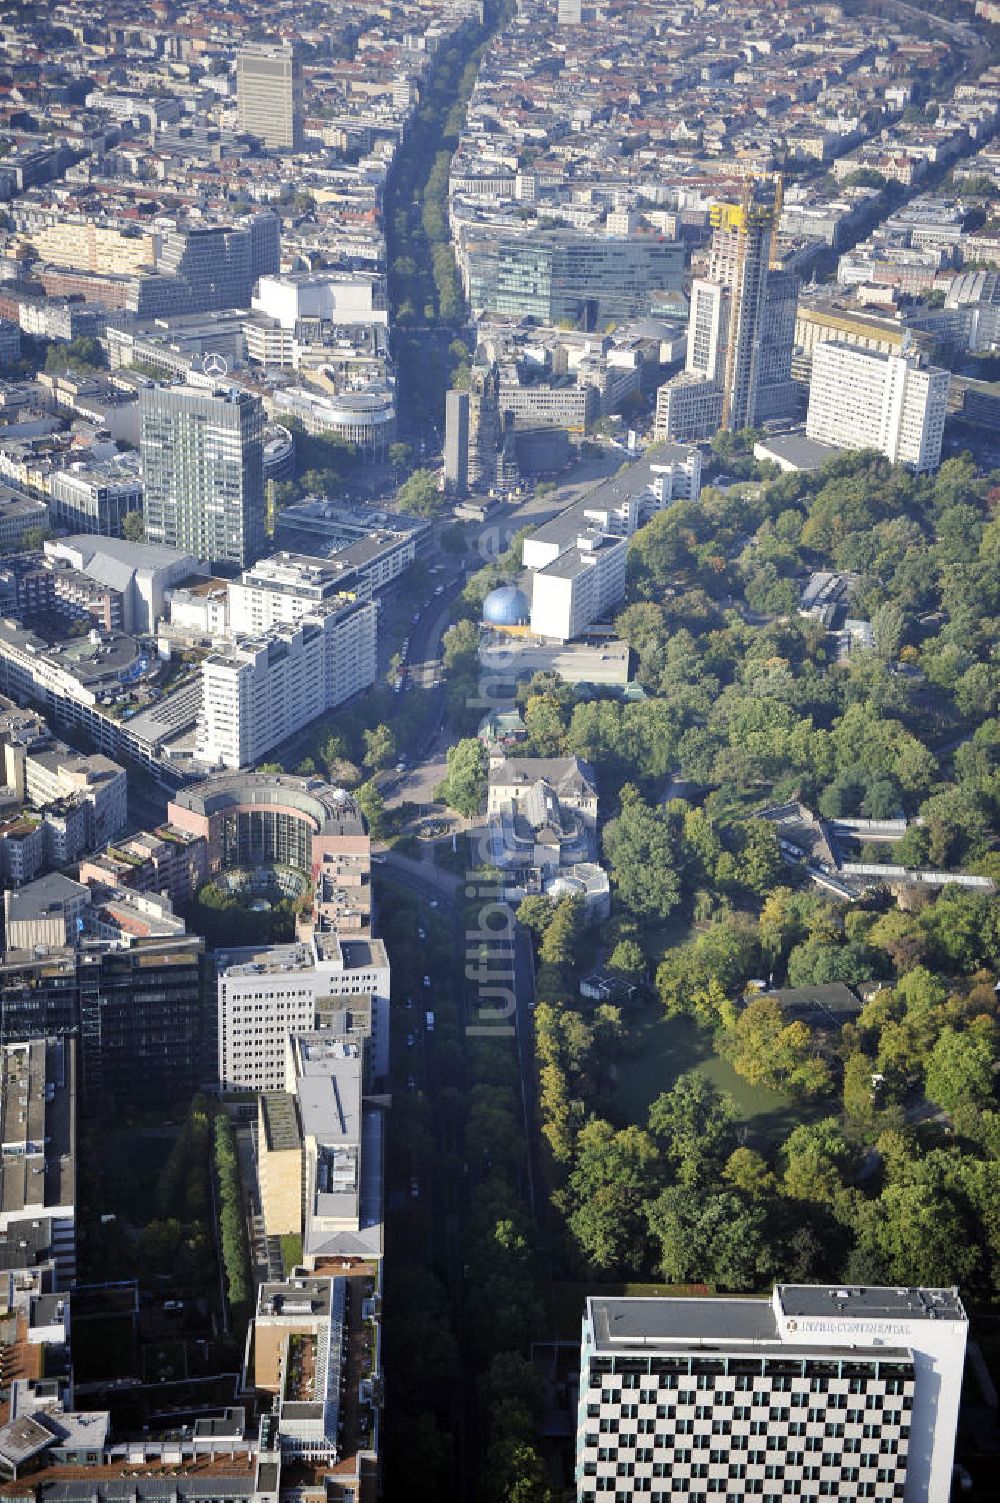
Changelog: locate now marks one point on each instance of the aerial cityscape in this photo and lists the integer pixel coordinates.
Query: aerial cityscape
(499, 751)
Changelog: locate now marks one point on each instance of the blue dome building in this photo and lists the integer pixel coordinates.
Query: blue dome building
(506, 606)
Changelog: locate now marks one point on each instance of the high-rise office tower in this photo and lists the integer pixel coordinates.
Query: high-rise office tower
(269, 94)
(837, 1392)
(138, 1013)
(864, 399)
(741, 327)
(203, 471)
(739, 260)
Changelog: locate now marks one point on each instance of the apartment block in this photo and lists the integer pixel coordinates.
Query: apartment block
(341, 1142)
(864, 399)
(676, 476)
(137, 1011)
(317, 1349)
(48, 913)
(281, 590)
(688, 409)
(260, 690)
(279, 1163)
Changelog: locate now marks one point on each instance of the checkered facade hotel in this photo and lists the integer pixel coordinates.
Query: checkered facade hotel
(818, 1393)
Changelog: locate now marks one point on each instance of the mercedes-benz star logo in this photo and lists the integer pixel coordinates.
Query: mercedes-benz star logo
(214, 364)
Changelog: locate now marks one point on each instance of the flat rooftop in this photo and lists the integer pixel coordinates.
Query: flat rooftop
(296, 1299)
(735, 1321)
(43, 898)
(655, 1322)
(869, 1303)
(796, 450)
(37, 1120)
(575, 559)
(251, 960)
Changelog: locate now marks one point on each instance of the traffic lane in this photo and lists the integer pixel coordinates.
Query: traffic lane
(423, 876)
(417, 786)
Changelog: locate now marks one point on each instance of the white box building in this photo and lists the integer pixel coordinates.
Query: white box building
(259, 691)
(339, 297)
(820, 1392)
(266, 995)
(863, 399)
(584, 583)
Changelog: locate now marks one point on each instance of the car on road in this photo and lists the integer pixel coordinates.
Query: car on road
(427, 981)
(409, 1002)
(414, 1187)
(400, 766)
(434, 902)
(409, 1041)
(411, 1084)
(421, 933)
(439, 590)
(415, 619)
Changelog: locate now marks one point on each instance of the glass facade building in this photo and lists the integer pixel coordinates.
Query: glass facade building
(564, 277)
(203, 463)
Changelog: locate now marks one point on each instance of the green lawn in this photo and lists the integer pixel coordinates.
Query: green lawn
(669, 1047)
(291, 1251)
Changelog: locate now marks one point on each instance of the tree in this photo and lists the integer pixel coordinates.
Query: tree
(460, 648)
(32, 538)
(815, 1156)
(615, 1174)
(535, 913)
(511, 1378)
(694, 1122)
(818, 962)
(380, 747)
(916, 1232)
(559, 940)
(372, 806)
(464, 787)
(746, 1170)
(516, 1473)
(859, 1090)
(766, 1050)
(419, 494)
(718, 1238)
(641, 848)
(760, 859)
(627, 957)
(134, 527)
(887, 628)
(544, 723)
(960, 1071)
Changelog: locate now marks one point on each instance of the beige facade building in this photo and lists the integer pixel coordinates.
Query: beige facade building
(279, 1160)
(93, 247)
